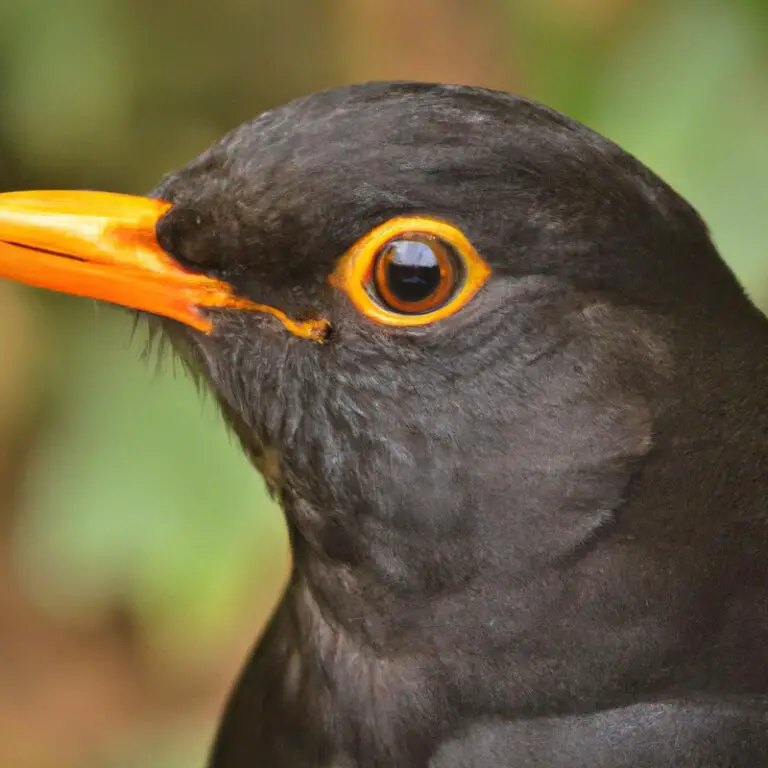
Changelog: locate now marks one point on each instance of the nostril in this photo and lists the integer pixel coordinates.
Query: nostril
(180, 233)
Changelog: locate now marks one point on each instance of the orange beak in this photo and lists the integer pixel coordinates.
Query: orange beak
(103, 246)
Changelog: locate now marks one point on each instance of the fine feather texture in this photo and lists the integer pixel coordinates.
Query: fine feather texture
(550, 505)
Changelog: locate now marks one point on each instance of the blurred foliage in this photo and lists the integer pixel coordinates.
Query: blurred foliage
(124, 491)
(155, 508)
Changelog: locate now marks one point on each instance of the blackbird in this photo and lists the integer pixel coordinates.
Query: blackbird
(513, 404)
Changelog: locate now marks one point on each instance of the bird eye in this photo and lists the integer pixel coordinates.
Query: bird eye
(415, 274)
(411, 270)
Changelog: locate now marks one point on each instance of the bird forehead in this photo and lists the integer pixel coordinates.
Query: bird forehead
(353, 157)
(382, 129)
(282, 197)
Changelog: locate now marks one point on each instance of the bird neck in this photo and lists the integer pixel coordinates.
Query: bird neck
(311, 687)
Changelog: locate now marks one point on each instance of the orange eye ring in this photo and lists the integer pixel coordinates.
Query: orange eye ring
(443, 271)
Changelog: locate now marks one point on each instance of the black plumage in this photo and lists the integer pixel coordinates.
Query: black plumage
(532, 533)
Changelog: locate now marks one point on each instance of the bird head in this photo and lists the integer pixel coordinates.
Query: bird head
(450, 326)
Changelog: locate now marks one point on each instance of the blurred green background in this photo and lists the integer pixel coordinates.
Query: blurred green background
(139, 556)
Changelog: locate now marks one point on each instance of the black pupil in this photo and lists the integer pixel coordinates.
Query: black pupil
(413, 271)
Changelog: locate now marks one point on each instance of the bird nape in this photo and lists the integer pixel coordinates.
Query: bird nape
(512, 403)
